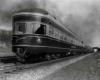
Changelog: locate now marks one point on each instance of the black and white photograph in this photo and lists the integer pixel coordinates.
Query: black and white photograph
(49, 39)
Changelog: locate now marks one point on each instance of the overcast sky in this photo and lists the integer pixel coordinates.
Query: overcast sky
(81, 16)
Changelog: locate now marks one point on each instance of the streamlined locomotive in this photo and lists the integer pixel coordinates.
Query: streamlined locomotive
(38, 35)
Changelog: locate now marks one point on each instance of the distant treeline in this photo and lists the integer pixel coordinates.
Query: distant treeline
(5, 35)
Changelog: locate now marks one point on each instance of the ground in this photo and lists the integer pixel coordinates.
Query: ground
(85, 69)
(6, 50)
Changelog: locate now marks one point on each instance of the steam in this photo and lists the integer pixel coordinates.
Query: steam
(13, 6)
(82, 17)
(88, 26)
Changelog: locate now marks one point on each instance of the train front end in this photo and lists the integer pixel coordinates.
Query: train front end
(27, 32)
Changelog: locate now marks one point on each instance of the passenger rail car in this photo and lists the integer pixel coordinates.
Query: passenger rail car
(37, 34)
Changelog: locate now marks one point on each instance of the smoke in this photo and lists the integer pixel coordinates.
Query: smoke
(82, 17)
(86, 26)
(7, 9)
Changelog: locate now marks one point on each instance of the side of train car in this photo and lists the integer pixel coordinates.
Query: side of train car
(37, 34)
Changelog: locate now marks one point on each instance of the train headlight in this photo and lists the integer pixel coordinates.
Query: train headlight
(39, 40)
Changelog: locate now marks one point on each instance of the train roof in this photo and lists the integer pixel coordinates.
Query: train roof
(35, 10)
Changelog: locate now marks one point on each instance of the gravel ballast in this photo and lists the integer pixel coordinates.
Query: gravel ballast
(85, 69)
(48, 71)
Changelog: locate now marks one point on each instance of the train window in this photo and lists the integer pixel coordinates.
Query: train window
(38, 28)
(21, 28)
(83, 44)
(50, 22)
(75, 41)
(51, 31)
(65, 38)
(61, 35)
(14, 28)
(72, 40)
(56, 33)
(69, 39)
(78, 43)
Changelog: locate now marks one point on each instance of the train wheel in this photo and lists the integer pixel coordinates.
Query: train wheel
(53, 56)
(40, 58)
(48, 57)
(57, 55)
(22, 60)
(69, 53)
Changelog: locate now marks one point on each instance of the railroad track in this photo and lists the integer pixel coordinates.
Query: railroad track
(8, 59)
(13, 68)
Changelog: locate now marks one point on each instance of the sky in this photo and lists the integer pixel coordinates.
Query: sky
(81, 16)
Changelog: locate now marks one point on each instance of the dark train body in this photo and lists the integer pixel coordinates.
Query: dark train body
(37, 34)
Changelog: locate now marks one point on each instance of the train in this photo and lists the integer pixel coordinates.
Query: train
(38, 35)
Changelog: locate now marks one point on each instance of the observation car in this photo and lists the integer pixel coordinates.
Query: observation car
(37, 34)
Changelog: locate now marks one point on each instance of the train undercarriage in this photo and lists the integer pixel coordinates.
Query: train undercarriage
(25, 56)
